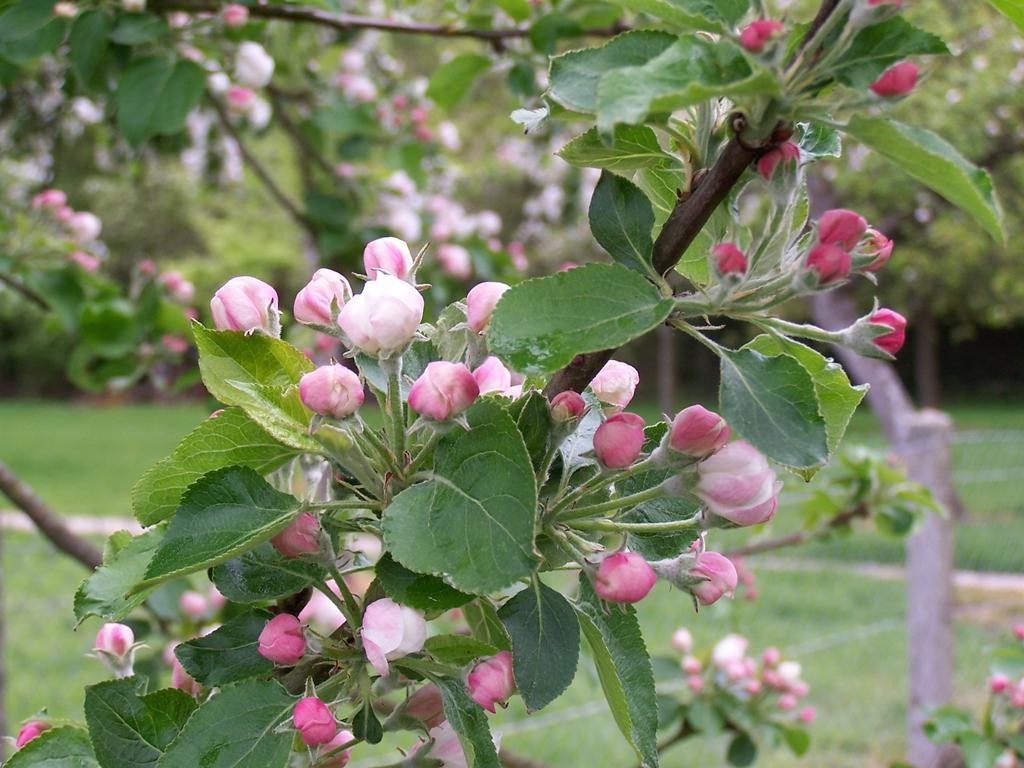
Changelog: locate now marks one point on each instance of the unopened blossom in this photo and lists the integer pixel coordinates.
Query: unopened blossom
(50, 198)
(998, 683)
(737, 483)
(624, 577)
(841, 227)
(619, 440)
(719, 576)
(29, 731)
(177, 286)
(897, 80)
(253, 65)
(282, 640)
(246, 304)
(339, 760)
(756, 35)
(115, 639)
(85, 260)
(84, 226)
(320, 299)
(480, 303)
(695, 683)
(427, 705)
(331, 390)
(891, 342)
(443, 390)
(455, 260)
(691, 665)
(696, 431)
(182, 680)
(771, 656)
(383, 318)
(730, 649)
(234, 15)
(301, 537)
(492, 376)
(785, 153)
(65, 10)
(387, 255)
(567, 406)
(193, 604)
(729, 259)
(880, 247)
(491, 682)
(830, 263)
(682, 640)
(615, 384)
(314, 721)
(391, 631)
(445, 747)
(240, 99)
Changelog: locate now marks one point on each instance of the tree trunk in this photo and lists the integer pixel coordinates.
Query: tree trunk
(926, 359)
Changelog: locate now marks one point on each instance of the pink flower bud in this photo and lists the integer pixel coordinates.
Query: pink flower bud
(193, 604)
(1018, 631)
(691, 665)
(807, 715)
(246, 304)
(619, 440)
(736, 483)
(341, 759)
(115, 639)
(443, 390)
(998, 683)
(63, 214)
(314, 721)
(756, 34)
(830, 262)
(240, 99)
(682, 640)
(624, 577)
(480, 304)
(426, 705)
(177, 286)
(615, 384)
(388, 255)
(234, 15)
(391, 631)
(771, 656)
(719, 574)
(696, 431)
(783, 154)
(567, 406)
(65, 10)
(492, 376)
(445, 747)
(383, 318)
(695, 683)
(491, 682)
(891, 342)
(897, 80)
(282, 640)
(787, 702)
(50, 198)
(880, 247)
(301, 537)
(729, 259)
(318, 301)
(85, 260)
(455, 260)
(29, 731)
(182, 680)
(331, 390)
(842, 228)
(84, 226)
(216, 599)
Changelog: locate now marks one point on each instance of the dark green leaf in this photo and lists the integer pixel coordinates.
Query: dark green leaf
(108, 328)
(532, 415)
(65, 747)
(154, 96)
(713, 15)
(458, 649)
(23, 18)
(742, 750)
(103, 593)
(621, 220)
(469, 721)
(877, 47)
(228, 654)
(264, 574)
(137, 28)
(485, 625)
(87, 43)
(545, 643)
(548, 30)
(366, 725)
(452, 80)
(417, 590)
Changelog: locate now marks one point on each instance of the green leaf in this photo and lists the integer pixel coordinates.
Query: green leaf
(581, 441)
(771, 401)
(979, 751)
(222, 515)
(632, 147)
(837, 397)
(228, 654)
(228, 438)
(87, 43)
(104, 593)
(263, 574)
(742, 750)
(621, 219)
(575, 75)
(545, 643)
(458, 649)
(260, 375)
(517, 9)
(541, 324)
(109, 328)
(712, 15)
(24, 18)
(663, 187)
(690, 71)
(473, 521)
(64, 747)
(154, 96)
(469, 721)
(532, 414)
(624, 669)
(935, 163)
(549, 29)
(452, 80)
(485, 625)
(797, 739)
(417, 590)
(133, 731)
(1011, 9)
(138, 28)
(877, 47)
(237, 728)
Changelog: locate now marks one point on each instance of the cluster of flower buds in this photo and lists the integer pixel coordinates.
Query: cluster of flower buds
(83, 227)
(317, 727)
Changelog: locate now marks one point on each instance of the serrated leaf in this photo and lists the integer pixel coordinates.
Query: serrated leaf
(532, 414)
(469, 721)
(621, 220)
(879, 46)
(484, 624)
(417, 590)
(129, 730)
(771, 401)
(458, 649)
(64, 747)
(935, 163)
(632, 147)
(545, 643)
(263, 574)
(624, 670)
(451, 81)
(228, 438)
(541, 324)
(222, 515)
(228, 654)
(155, 94)
(104, 593)
(473, 521)
(711, 15)
(237, 728)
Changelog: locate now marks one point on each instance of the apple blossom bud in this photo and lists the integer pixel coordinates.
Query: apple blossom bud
(84, 226)
(771, 656)
(737, 484)
(427, 705)
(492, 376)
(682, 640)
(301, 537)
(63, 213)
(691, 665)
(897, 80)
(193, 604)
(719, 576)
(253, 65)
(182, 680)
(729, 259)
(619, 440)
(282, 640)
(841, 227)
(830, 262)
(695, 683)
(455, 260)
(29, 731)
(314, 721)
(318, 301)
(115, 639)
(1008, 759)
(480, 303)
(387, 255)
(234, 15)
(728, 650)
(491, 682)
(331, 390)
(787, 702)
(615, 384)
(177, 286)
(696, 431)
(85, 260)
(783, 154)
(998, 683)
(391, 631)
(65, 10)
(340, 760)
(445, 749)
(624, 577)
(50, 198)
(756, 34)
(443, 390)
(240, 99)
(1018, 631)
(567, 406)
(383, 318)
(880, 247)
(216, 599)
(246, 304)
(807, 715)
(891, 342)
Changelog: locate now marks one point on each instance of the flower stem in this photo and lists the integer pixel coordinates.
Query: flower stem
(613, 505)
(423, 453)
(397, 414)
(350, 601)
(599, 481)
(612, 525)
(345, 504)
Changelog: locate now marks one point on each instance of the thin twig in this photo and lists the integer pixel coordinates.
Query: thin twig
(18, 286)
(277, 99)
(800, 537)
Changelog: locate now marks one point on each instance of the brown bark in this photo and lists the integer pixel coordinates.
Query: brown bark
(926, 359)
